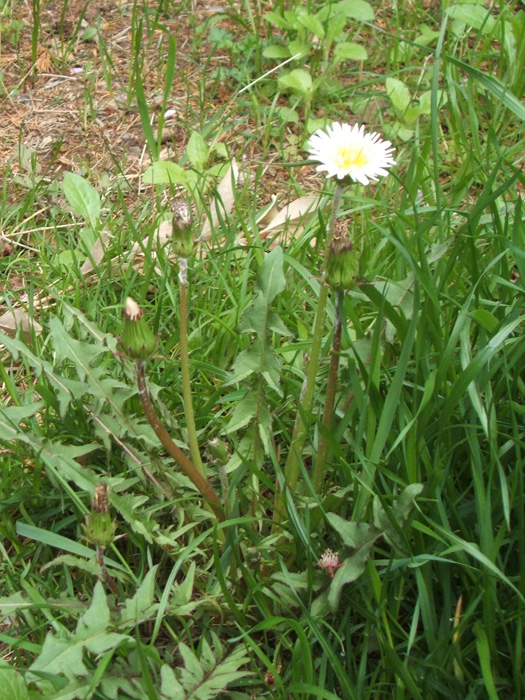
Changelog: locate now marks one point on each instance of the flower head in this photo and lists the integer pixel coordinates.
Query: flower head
(330, 562)
(346, 151)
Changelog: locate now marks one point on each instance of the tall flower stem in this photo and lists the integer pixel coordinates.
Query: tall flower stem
(300, 433)
(331, 389)
(185, 368)
(178, 455)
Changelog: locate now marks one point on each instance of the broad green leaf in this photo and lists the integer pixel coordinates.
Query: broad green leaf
(163, 172)
(243, 413)
(351, 570)
(271, 280)
(406, 501)
(83, 197)
(349, 51)
(354, 535)
(298, 80)
(334, 27)
(278, 20)
(398, 93)
(12, 685)
(277, 51)
(425, 101)
(392, 523)
(197, 150)
(299, 48)
(311, 23)
(73, 691)
(475, 16)
(351, 9)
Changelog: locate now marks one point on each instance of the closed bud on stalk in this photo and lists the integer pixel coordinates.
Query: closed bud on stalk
(138, 340)
(218, 451)
(182, 237)
(99, 528)
(343, 263)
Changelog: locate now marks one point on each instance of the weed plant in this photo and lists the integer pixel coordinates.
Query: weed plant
(397, 570)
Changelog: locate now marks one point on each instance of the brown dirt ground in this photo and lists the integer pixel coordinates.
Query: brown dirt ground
(61, 108)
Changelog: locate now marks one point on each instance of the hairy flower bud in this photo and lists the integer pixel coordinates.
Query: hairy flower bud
(182, 237)
(138, 340)
(343, 263)
(99, 529)
(218, 451)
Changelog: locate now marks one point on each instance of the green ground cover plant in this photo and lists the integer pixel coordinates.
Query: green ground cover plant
(261, 425)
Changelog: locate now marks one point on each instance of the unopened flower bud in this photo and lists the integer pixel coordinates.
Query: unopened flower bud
(182, 237)
(138, 340)
(219, 451)
(99, 529)
(343, 263)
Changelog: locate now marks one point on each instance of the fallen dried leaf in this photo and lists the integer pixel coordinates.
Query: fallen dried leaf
(224, 200)
(16, 319)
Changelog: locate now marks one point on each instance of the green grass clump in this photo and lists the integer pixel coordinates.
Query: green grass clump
(150, 593)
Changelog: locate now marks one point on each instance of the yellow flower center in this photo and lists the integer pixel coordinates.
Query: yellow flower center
(349, 156)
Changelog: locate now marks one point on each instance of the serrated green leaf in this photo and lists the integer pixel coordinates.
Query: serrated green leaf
(85, 357)
(83, 197)
(398, 93)
(298, 80)
(141, 605)
(183, 592)
(170, 688)
(164, 172)
(65, 389)
(141, 523)
(65, 655)
(349, 51)
(205, 678)
(197, 150)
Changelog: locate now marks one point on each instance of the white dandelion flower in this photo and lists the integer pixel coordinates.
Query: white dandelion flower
(346, 151)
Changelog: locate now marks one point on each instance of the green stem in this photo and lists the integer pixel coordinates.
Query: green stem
(178, 455)
(331, 389)
(300, 433)
(185, 368)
